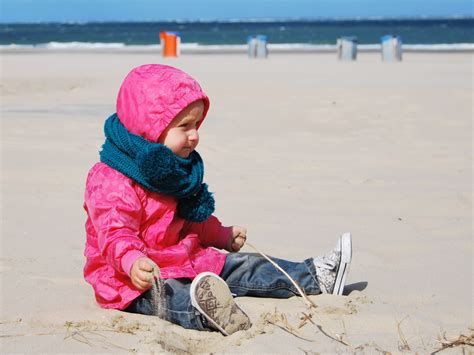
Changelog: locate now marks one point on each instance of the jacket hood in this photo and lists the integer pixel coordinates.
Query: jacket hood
(152, 95)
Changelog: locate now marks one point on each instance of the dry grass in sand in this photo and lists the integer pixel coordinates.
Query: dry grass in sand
(461, 340)
(89, 333)
(109, 335)
(310, 316)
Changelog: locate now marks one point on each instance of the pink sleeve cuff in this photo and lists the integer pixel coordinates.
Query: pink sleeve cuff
(129, 258)
(223, 237)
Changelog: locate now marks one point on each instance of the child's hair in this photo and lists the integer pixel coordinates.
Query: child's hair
(152, 95)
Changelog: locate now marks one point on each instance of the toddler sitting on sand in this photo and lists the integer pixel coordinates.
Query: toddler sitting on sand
(151, 236)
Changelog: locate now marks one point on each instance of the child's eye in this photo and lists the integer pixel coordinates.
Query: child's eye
(188, 125)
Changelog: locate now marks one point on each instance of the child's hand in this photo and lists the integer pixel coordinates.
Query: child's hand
(237, 239)
(143, 272)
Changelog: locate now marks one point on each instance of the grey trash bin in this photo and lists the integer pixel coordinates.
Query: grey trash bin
(391, 48)
(347, 48)
(262, 49)
(251, 46)
(257, 46)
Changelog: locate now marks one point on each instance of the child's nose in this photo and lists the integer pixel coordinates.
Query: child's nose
(193, 135)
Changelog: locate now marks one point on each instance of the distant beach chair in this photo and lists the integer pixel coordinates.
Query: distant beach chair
(347, 48)
(257, 46)
(391, 48)
(170, 44)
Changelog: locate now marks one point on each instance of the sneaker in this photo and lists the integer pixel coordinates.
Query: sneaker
(211, 296)
(332, 268)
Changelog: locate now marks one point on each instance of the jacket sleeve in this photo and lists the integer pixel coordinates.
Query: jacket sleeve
(115, 211)
(211, 232)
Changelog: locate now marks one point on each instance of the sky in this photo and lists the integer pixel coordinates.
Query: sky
(154, 10)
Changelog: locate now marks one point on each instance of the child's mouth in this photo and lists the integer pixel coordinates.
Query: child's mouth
(186, 151)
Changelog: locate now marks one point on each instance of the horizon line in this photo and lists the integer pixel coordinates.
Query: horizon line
(257, 20)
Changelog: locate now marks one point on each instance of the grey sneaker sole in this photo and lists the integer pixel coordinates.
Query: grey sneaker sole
(211, 296)
(343, 269)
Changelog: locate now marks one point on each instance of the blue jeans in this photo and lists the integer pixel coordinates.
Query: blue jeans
(246, 274)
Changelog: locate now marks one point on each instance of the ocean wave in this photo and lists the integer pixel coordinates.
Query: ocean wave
(16, 46)
(440, 47)
(196, 47)
(82, 45)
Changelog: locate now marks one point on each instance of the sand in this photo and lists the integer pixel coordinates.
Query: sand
(299, 148)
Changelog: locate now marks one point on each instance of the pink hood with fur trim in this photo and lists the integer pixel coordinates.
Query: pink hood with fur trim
(126, 221)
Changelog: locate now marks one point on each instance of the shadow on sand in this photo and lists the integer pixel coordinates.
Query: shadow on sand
(358, 286)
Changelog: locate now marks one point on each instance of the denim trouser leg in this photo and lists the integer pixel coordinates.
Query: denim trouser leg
(175, 304)
(249, 274)
(246, 274)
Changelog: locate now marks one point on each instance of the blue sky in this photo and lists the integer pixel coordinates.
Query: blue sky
(152, 10)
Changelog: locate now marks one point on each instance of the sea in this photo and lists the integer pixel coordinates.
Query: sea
(434, 34)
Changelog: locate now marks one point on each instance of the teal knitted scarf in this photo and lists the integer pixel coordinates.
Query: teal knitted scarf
(156, 168)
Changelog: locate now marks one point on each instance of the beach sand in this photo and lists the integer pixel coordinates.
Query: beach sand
(299, 148)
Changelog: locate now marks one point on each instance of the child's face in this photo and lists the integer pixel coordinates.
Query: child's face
(181, 136)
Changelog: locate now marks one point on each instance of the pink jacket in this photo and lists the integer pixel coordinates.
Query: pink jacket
(126, 221)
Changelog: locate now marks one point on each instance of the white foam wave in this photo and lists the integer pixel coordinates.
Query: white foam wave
(82, 45)
(440, 47)
(233, 48)
(16, 46)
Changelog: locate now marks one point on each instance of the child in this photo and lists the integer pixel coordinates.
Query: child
(151, 236)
